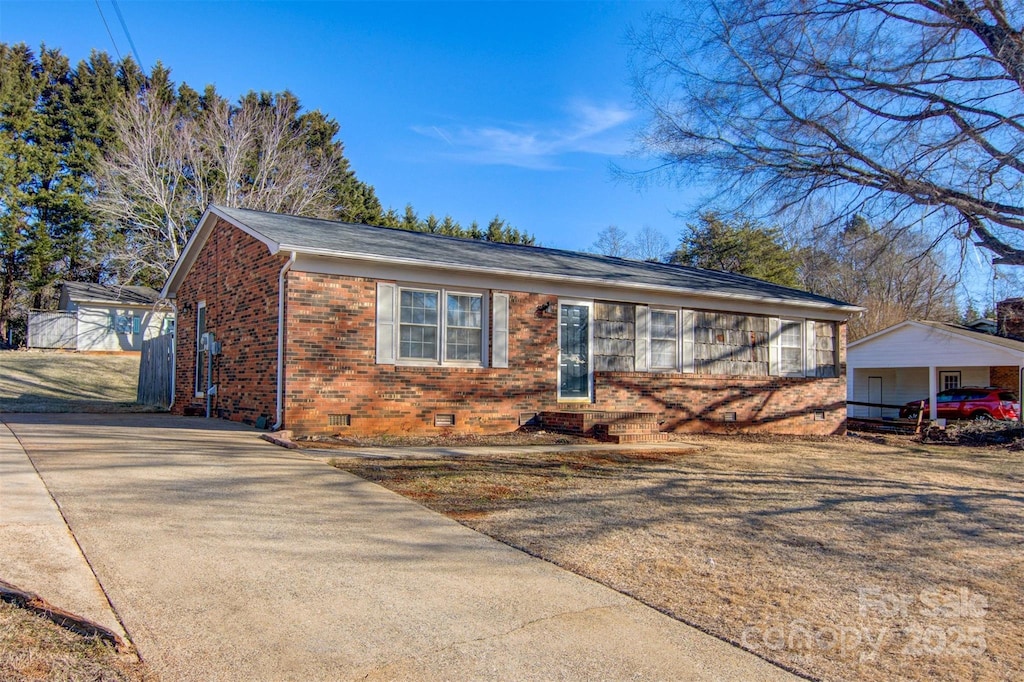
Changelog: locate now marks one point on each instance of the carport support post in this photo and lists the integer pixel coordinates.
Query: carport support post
(933, 382)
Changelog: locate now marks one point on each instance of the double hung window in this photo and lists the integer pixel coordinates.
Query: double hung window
(425, 333)
(463, 326)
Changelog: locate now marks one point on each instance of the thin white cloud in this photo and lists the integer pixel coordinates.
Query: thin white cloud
(587, 129)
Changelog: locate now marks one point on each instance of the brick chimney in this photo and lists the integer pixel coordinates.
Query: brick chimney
(1010, 318)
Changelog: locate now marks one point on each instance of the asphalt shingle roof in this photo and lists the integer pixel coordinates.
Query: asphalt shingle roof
(310, 235)
(1012, 344)
(99, 293)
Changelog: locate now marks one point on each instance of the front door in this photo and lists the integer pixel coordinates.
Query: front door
(875, 396)
(574, 352)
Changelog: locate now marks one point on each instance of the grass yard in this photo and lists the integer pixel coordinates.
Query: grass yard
(34, 649)
(840, 559)
(57, 381)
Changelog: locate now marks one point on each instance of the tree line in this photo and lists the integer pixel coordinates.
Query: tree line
(105, 170)
(891, 272)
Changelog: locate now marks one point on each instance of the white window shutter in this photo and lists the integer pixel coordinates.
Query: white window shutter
(773, 346)
(810, 355)
(499, 331)
(642, 342)
(386, 323)
(686, 332)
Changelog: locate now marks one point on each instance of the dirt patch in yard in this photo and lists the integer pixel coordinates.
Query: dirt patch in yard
(839, 558)
(61, 381)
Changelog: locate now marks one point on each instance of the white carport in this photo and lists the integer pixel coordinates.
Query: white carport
(915, 359)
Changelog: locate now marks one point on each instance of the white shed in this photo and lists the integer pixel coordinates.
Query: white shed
(917, 359)
(108, 318)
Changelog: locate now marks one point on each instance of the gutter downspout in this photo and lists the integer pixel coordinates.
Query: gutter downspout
(280, 341)
(174, 352)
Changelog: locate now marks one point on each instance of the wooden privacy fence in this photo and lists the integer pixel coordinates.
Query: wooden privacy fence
(47, 329)
(155, 367)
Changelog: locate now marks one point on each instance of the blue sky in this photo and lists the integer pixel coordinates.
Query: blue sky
(469, 108)
(473, 109)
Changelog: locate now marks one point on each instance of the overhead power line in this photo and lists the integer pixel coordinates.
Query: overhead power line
(109, 33)
(128, 35)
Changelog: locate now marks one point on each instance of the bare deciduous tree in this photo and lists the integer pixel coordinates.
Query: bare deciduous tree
(613, 241)
(650, 244)
(874, 106)
(169, 166)
(889, 271)
(150, 191)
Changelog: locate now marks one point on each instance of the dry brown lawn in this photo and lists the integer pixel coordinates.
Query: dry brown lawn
(34, 649)
(842, 558)
(61, 381)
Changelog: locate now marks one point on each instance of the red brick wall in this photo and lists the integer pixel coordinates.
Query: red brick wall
(1010, 318)
(1004, 377)
(331, 370)
(237, 277)
(689, 403)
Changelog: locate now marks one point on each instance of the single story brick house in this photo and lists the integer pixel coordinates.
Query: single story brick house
(323, 327)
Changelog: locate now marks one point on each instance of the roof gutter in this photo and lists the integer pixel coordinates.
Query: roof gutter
(279, 415)
(550, 277)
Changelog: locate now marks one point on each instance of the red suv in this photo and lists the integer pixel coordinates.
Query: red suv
(968, 402)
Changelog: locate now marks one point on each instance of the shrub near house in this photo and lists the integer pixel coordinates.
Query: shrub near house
(326, 327)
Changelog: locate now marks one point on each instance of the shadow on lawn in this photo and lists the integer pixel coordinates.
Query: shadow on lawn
(800, 509)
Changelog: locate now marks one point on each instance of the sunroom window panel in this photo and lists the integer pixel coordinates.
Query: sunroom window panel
(791, 348)
(664, 343)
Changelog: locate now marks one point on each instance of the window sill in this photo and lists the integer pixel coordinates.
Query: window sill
(436, 367)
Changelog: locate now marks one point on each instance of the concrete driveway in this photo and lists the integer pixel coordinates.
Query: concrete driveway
(227, 558)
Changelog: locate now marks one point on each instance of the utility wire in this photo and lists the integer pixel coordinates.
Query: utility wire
(107, 26)
(127, 34)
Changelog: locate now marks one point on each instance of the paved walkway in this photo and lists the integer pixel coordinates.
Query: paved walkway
(37, 551)
(229, 558)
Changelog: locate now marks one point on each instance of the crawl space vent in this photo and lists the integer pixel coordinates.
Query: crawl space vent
(444, 420)
(728, 416)
(339, 420)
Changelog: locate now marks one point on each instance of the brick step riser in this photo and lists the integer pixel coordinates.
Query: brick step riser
(635, 438)
(628, 428)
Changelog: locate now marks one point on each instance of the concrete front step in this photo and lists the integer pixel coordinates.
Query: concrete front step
(584, 422)
(628, 433)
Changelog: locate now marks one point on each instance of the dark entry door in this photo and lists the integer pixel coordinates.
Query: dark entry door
(574, 352)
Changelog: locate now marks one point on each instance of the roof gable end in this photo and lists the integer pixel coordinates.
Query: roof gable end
(198, 239)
